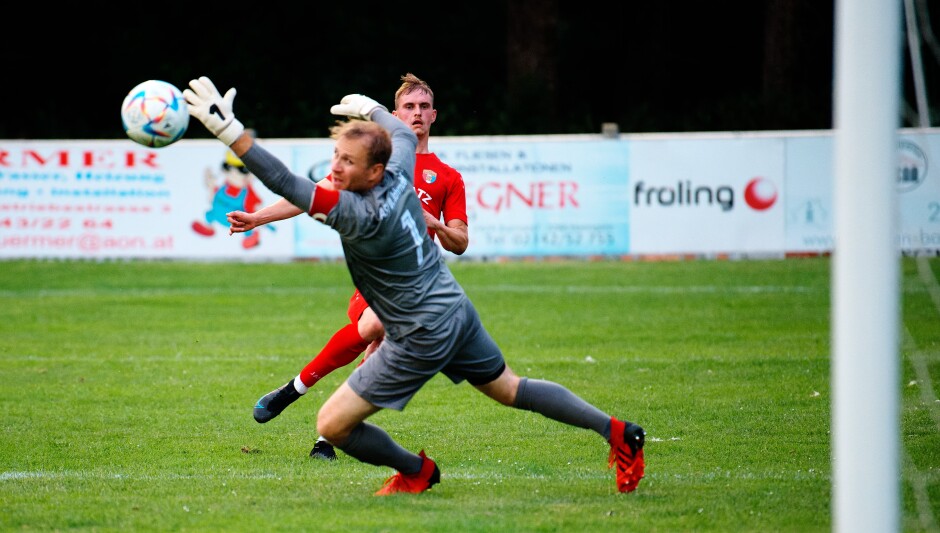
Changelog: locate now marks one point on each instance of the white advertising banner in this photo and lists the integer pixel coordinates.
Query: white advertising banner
(708, 195)
(116, 199)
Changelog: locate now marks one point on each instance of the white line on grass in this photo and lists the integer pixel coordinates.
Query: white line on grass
(170, 291)
(535, 289)
(918, 479)
(81, 474)
(924, 380)
(601, 472)
(644, 289)
(154, 358)
(926, 276)
(73, 474)
(915, 476)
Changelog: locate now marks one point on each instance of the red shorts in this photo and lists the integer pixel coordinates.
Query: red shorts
(357, 305)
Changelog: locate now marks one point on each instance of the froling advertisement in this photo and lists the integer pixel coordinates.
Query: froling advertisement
(707, 195)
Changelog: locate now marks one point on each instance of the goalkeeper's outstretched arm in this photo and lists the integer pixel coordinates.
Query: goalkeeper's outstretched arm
(216, 113)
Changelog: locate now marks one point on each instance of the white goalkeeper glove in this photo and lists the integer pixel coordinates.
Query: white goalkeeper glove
(213, 110)
(357, 106)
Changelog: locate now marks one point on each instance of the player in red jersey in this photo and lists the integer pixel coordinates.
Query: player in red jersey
(440, 189)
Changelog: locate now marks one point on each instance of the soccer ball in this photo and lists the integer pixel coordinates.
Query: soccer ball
(154, 114)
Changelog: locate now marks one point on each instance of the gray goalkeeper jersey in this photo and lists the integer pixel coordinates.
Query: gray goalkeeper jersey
(392, 260)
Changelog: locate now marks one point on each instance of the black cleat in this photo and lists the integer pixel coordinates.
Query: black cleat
(271, 404)
(634, 436)
(323, 450)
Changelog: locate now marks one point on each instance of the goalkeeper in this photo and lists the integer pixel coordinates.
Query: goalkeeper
(441, 191)
(430, 324)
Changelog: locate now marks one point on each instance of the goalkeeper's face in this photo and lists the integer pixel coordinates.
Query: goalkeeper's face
(350, 167)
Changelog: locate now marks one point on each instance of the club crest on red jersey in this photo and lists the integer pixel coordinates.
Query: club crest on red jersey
(429, 176)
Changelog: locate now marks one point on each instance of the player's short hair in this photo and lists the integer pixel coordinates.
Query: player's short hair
(411, 83)
(377, 140)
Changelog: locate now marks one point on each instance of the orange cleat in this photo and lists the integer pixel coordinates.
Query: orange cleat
(626, 450)
(421, 481)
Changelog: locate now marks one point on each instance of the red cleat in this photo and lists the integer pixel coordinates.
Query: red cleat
(626, 450)
(412, 483)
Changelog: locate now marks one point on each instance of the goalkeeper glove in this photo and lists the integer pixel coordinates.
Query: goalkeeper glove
(357, 106)
(213, 110)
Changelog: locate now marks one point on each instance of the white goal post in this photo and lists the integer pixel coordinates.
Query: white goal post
(866, 264)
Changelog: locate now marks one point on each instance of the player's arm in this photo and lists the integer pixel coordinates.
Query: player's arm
(454, 236)
(215, 112)
(241, 221)
(404, 141)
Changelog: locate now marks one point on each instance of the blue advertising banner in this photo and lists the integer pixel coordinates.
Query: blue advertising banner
(544, 198)
(809, 183)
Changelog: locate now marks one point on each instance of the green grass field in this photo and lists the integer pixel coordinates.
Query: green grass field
(127, 387)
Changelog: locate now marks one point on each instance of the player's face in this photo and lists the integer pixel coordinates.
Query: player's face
(350, 166)
(417, 111)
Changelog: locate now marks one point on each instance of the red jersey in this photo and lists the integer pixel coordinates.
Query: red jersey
(440, 189)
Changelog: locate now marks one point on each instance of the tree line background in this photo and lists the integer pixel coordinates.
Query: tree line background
(498, 67)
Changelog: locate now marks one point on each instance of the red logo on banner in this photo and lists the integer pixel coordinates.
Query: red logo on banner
(760, 193)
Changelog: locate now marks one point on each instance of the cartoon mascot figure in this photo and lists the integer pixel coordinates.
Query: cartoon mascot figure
(234, 193)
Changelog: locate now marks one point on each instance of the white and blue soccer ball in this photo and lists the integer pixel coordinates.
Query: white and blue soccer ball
(154, 114)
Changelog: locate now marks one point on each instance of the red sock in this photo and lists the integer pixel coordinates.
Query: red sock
(343, 348)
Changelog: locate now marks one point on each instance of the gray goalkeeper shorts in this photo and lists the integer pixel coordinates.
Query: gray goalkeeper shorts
(460, 348)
